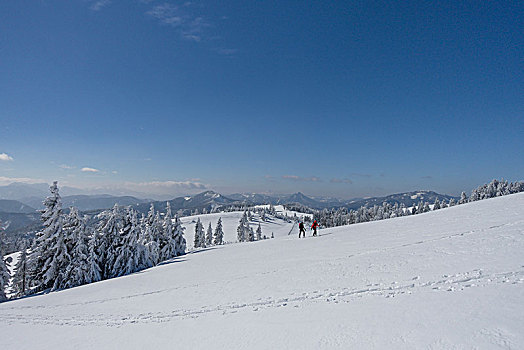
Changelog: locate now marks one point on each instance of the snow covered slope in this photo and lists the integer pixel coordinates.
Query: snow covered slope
(230, 223)
(453, 278)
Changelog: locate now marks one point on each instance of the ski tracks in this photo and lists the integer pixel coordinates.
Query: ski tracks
(447, 283)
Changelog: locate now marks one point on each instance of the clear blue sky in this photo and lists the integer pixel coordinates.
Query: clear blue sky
(344, 98)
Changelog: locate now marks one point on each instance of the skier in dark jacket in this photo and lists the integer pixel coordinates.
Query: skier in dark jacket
(314, 227)
(302, 230)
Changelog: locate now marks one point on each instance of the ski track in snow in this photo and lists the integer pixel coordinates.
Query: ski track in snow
(455, 283)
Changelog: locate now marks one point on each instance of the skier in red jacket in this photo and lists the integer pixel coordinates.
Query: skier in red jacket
(314, 227)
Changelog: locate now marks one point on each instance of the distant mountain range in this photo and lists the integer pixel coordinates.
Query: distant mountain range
(12, 206)
(20, 202)
(406, 198)
(89, 202)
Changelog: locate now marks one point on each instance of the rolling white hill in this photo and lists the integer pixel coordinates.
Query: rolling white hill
(453, 278)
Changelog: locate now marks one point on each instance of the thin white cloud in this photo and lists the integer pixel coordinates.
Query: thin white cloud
(65, 166)
(301, 179)
(189, 25)
(5, 157)
(7, 180)
(99, 4)
(170, 187)
(361, 175)
(89, 170)
(166, 14)
(169, 184)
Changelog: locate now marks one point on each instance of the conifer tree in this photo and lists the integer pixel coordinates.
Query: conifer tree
(151, 252)
(463, 198)
(77, 272)
(200, 238)
(168, 246)
(178, 236)
(250, 234)
(259, 232)
(19, 286)
(241, 229)
(4, 272)
(127, 257)
(420, 208)
(94, 272)
(218, 237)
(49, 245)
(436, 205)
(209, 235)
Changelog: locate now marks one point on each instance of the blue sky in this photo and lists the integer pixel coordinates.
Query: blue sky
(350, 98)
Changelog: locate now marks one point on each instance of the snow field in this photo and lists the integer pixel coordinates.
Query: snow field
(453, 278)
(230, 223)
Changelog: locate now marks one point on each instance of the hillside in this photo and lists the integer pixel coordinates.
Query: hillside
(453, 278)
(12, 206)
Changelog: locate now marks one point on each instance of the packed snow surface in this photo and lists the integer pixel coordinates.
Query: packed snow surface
(449, 279)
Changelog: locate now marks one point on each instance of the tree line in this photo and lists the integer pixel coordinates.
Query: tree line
(69, 252)
(343, 216)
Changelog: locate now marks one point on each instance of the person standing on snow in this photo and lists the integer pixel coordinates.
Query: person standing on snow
(314, 227)
(302, 230)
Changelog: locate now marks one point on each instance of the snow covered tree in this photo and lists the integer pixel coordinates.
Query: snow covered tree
(250, 234)
(463, 198)
(60, 260)
(218, 237)
(443, 204)
(150, 254)
(178, 236)
(452, 202)
(168, 245)
(4, 272)
(77, 272)
(259, 232)
(175, 243)
(209, 235)
(158, 236)
(263, 215)
(94, 272)
(420, 207)
(127, 253)
(108, 232)
(241, 229)
(200, 238)
(48, 253)
(436, 205)
(19, 285)
(151, 215)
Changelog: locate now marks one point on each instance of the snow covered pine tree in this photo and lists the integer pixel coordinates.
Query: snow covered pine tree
(219, 233)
